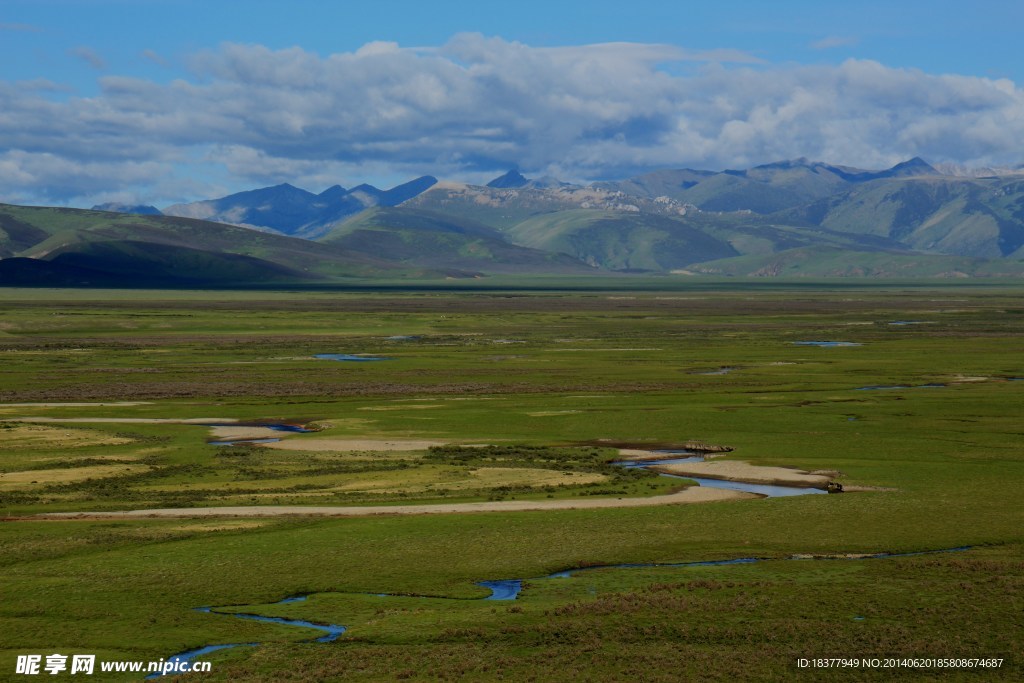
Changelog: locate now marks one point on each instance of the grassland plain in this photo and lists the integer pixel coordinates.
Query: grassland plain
(544, 376)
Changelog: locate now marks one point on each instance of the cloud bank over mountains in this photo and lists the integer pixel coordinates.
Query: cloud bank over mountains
(246, 114)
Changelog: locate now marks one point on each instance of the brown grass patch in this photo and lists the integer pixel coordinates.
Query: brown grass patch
(30, 478)
(29, 436)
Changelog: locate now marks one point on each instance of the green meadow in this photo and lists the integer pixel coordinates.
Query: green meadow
(549, 380)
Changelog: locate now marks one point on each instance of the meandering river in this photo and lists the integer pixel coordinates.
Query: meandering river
(509, 589)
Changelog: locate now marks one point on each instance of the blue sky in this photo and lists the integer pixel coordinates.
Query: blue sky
(163, 101)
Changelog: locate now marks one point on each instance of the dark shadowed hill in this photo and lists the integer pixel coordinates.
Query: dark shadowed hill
(134, 248)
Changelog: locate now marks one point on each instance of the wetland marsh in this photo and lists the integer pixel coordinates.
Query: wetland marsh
(108, 399)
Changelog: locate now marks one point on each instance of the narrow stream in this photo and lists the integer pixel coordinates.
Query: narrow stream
(509, 589)
(769, 490)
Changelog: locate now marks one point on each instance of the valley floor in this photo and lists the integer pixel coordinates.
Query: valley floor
(517, 403)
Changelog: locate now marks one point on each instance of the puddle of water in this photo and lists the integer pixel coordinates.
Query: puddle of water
(719, 371)
(348, 357)
(825, 344)
(907, 322)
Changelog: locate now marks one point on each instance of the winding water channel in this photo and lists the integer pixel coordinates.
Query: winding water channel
(509, 589)
(768, 490)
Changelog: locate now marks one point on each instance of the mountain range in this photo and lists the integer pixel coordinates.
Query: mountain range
(292, 211)
(789, 218)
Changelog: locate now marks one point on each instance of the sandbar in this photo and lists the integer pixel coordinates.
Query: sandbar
(737, 470)
(694, 494)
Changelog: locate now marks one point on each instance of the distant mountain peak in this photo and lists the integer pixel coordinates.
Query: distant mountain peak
(333, 191)
(910, 167)
(283, 188)
(547, 183)
(512, 179)
(366, 188)
(400, 193)
(291, 210)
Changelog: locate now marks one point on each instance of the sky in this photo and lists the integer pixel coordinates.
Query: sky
(164, 101)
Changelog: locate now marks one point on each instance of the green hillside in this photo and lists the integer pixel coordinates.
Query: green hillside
(608, 228)
(137, 249)
(620, 241)
(433, 240)
(981, 217)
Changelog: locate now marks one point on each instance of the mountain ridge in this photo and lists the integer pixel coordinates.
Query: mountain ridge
(664, 221)
(290, 210)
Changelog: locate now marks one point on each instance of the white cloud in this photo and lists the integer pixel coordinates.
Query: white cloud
(44, 175)
(477, 105)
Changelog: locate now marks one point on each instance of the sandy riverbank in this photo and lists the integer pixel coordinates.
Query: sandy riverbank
(736, 470)
(695, 494)
(349, 445)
